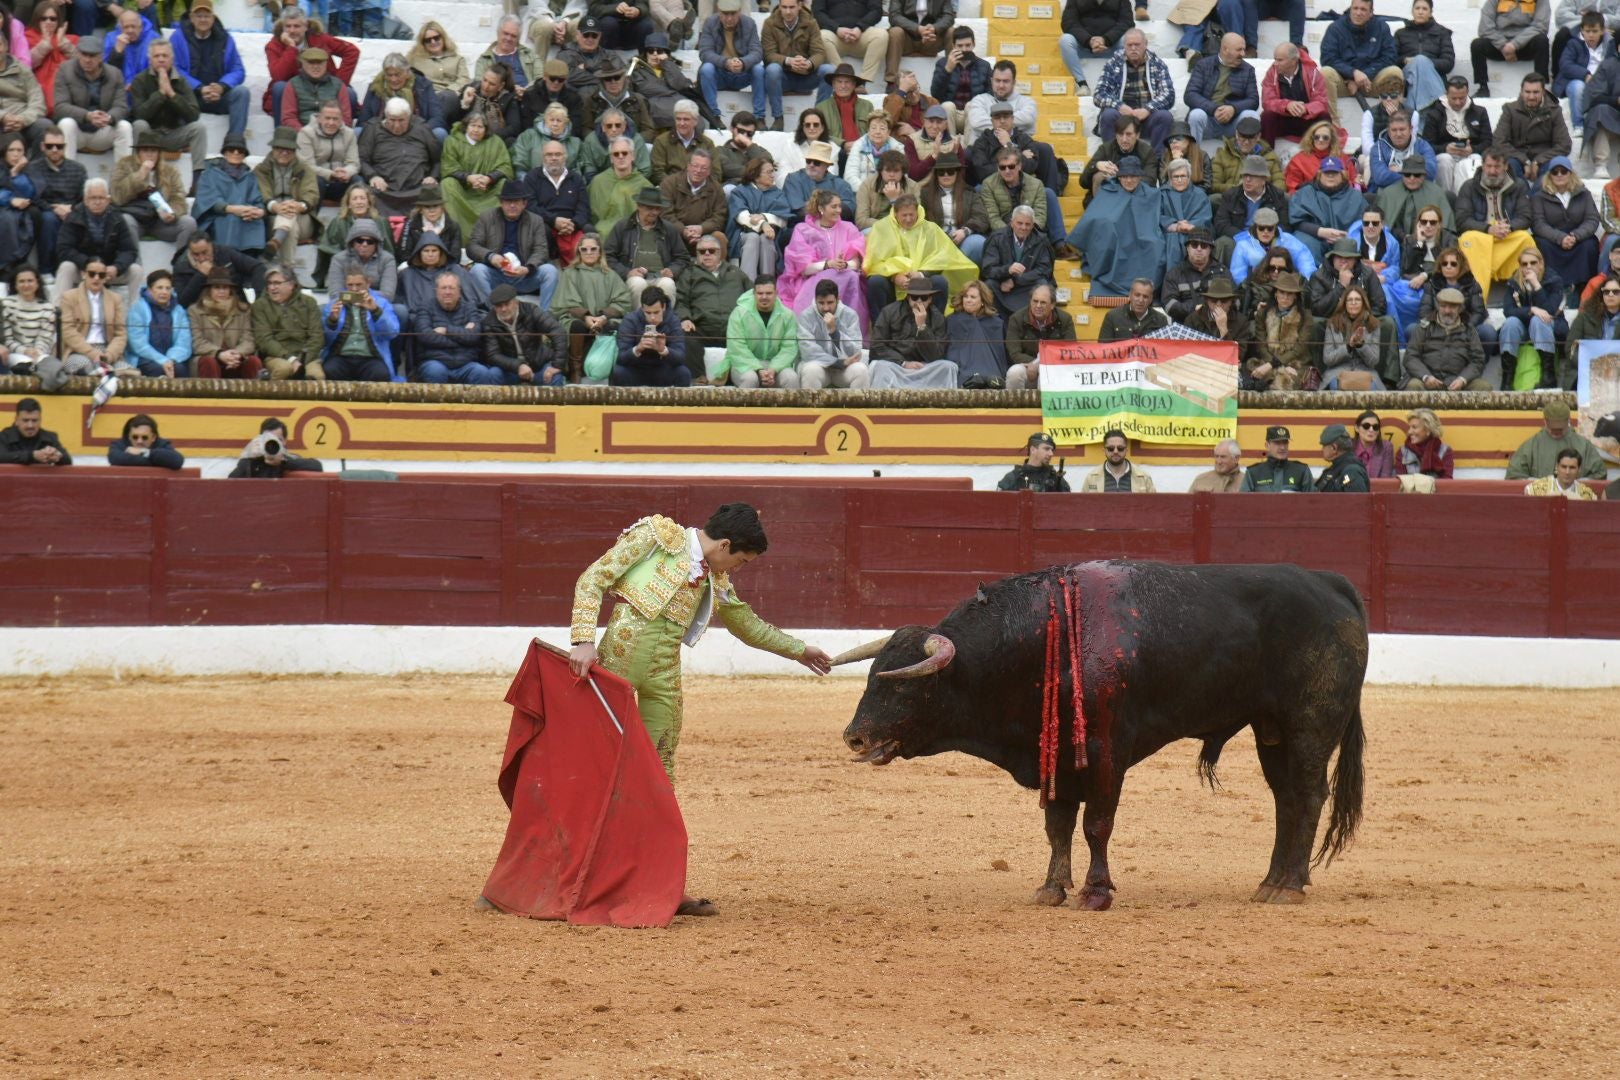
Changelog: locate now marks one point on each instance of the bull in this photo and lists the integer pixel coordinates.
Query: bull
(1163, 653)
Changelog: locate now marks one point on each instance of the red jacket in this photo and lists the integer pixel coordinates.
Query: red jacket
(283, 58)
(1316, 107)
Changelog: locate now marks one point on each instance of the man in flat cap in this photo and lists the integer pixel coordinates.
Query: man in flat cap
(1345, 472)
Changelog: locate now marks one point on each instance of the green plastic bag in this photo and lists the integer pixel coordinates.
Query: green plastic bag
(605, 353)
(1527, 369)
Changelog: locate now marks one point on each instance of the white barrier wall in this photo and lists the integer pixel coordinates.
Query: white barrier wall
(121, 652)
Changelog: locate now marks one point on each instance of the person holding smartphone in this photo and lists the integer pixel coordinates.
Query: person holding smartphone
(652, 347)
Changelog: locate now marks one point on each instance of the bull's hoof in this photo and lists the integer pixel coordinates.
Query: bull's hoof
(1096, 900)
(1277, 894)
(699, 908)
(1050, 896)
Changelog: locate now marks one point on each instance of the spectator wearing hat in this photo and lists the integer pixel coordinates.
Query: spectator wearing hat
(557, 195)
(397, 79)
(927, 141)
(1121, 236)
(509, 247)
(286, 323)
(1183, 286)
(960, 75)
(160, 330)
(1321, 142)
(818, 175)
(613, 93)
(524, 343)
(830, 343)
(909, 341)
(194, 262)
(1277, 475)
(553, 89)
(1221, 90)
(1227, 166)
(448, 331)
(1358, 50)
(645, 249)
(1041, 321)
(1117, 475)
(1227, 475)
(1539, 454)
(360, 327)
(796, 57)
(613, 192)
(1293, 95)
(672, 149)
(1264, 233)
(290, 195)
(585, 57)
(1444, 353)
(1394, 147)
(658, 80)
(696, 200)
(90, 104)
(1511, 32)
(1324, 211)
(1459, 130)
(1220, 317)
(313, 86)
(150, 194)
(1345, 473)
(521, 62)
(1135, 83)
(222, 331)
(1236, 210)
(292, 35)
(844, 110)
(398, 157)
(205, 55)
(332, 149)
(916, 29)
(1135, 318)
(229, 205)
(948, 199)
(850, 31)
(1400, 203)
(732, 56)
(364, 251)
(166, 103)
(652, 345)
(1288, 346)
(762, 342)
(1564, 220)
(1036, 473)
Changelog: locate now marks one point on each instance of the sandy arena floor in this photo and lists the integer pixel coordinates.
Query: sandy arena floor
(261, 878)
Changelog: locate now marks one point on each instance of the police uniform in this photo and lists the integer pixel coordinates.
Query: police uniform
(1027, 477)
(1274, 477)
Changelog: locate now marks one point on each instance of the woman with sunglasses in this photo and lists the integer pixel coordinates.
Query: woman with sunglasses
(1564, 221)
(436, 56)
(1419, 252)
(1320, 142)
(1451, 271)
(49, 47)
(1374, 452)
(1533, 310)
(1597, 320)
(140, 445)
(591, 299)
(364, 253)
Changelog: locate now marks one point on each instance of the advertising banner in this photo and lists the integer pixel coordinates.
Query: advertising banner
(1157, 391)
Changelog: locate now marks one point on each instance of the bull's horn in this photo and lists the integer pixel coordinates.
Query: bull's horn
(938, 651)
(861, 652)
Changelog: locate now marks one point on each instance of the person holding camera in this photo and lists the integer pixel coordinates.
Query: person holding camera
(267, 456)
(360, 328)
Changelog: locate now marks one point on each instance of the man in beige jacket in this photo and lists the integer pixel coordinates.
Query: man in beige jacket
(1116, 475)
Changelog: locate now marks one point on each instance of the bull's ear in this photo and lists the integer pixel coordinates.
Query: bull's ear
(861, 652)
(980, 596)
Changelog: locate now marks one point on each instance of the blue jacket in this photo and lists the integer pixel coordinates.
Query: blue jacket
(630, 331)
(1161, 87)
(140, 332)
(1383, 175)
(1347, 48)
(428, 106)
(1244, 90)
(384, 328)
(134, 61)
(798, 186)
(234, 73)
(1392, 254)
(1248, 254)
(457, 346)
(745, 39)
(1572, 64)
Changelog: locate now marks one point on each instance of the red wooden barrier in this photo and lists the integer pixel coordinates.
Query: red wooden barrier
(104, 550)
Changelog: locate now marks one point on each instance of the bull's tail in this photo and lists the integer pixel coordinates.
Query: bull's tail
(1347, 782)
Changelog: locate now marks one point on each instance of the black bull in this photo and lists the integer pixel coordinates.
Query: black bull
(1167, 652)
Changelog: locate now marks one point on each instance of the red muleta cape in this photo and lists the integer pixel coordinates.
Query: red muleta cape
(596, 835)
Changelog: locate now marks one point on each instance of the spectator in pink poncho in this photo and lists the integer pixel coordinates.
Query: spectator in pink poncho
(824, 247)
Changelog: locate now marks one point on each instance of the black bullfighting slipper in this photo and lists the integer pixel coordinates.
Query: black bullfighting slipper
(690, 906)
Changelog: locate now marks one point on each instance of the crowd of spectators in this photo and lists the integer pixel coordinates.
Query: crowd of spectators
(910, 243)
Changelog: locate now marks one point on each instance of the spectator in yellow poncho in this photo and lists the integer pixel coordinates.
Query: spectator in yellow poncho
(905, 243)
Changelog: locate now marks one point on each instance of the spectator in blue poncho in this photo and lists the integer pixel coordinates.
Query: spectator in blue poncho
(1119, 238)
(229, 205)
